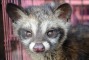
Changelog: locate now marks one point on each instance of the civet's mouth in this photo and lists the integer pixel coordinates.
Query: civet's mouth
(39, 47)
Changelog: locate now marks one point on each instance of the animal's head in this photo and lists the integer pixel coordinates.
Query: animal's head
(40, 28)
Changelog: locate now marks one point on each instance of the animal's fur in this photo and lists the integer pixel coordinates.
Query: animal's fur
(76, 46)
(67, 42)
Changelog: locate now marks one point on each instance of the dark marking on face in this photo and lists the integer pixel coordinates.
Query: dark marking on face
(24, 33)
(61, 33)
(55, 32)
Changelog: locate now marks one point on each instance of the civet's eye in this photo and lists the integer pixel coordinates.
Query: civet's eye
(53, 33)
(28, 33)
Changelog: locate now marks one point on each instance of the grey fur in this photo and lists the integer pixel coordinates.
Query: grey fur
(39, 20)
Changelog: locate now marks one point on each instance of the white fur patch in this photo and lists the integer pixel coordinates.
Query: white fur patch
(46, 45)
(44, 26)
(31, 46)
(25, 42)
(34, 27)
(54, 40)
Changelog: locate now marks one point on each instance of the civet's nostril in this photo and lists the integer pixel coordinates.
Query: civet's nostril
(39, 47)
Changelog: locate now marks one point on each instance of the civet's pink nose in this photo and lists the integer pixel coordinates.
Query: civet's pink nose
(39, 47)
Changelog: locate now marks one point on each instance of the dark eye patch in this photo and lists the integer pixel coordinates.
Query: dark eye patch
(54, 32)
(61, 33)
(24, 33)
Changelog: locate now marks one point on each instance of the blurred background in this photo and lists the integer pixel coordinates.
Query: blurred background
(9, 43)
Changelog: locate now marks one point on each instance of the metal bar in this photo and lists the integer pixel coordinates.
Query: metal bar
(3, 5)
(82, 6)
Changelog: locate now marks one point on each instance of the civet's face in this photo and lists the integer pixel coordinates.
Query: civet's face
(41, 36)
(40, 29)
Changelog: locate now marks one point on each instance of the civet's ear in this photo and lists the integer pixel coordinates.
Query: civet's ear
(63, 11)
(14, 12)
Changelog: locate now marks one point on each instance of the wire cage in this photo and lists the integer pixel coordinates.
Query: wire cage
(80, 14)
